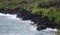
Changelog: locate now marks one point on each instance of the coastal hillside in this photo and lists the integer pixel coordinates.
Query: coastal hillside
(49, 9)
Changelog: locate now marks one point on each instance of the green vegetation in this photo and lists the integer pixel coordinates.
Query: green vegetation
(50, 8)
(58, 32)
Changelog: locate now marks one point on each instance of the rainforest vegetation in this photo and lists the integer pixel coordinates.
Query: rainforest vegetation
(49, 8)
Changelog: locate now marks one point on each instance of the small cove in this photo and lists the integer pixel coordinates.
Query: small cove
(10, 25)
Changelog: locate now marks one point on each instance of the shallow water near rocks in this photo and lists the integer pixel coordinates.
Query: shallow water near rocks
(10, 25)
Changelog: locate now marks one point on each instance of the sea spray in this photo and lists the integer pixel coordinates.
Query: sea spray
(10, 16)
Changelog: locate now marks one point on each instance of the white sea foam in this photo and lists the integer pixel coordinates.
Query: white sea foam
(49, 30)
(33, 26)
(1, 14)
(10, 16)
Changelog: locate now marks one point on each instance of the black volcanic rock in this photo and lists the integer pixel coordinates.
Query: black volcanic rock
(42, 22)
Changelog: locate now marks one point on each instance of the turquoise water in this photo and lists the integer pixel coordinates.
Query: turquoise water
(10, 25)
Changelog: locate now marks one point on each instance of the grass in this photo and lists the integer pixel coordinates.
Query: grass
(58, 32)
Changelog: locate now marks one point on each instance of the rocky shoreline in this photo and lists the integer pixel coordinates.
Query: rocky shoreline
(42, 22)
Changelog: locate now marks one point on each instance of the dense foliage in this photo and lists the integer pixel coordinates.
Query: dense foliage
(49, 8)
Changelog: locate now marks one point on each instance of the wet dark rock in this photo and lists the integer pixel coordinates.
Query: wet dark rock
(41, 27)
(42, 22)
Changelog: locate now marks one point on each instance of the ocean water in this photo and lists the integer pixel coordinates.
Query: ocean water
(10, 25)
